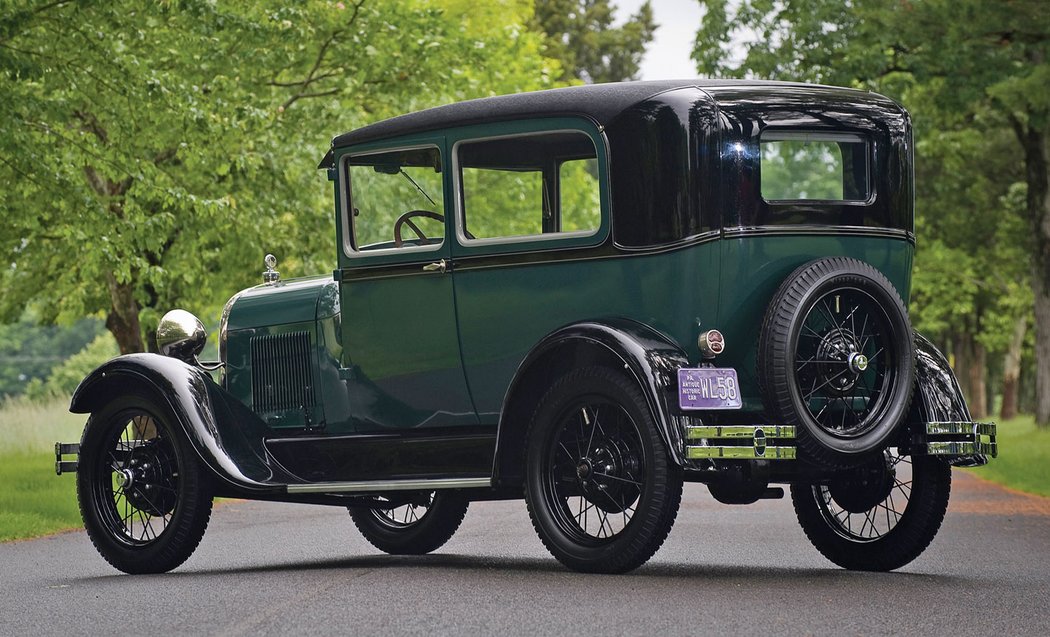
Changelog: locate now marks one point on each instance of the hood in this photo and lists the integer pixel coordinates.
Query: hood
(291, 301)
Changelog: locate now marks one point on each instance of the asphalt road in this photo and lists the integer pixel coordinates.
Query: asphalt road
(291, 569)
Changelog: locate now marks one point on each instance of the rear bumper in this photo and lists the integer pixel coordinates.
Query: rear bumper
(740, 442)
(962, 443)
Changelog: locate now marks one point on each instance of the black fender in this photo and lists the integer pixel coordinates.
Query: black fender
(226, 435)
(648, 356)
(937, 397)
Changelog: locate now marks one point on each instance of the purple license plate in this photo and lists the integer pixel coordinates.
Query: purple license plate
(708, 388)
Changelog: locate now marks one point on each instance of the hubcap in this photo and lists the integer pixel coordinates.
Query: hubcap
(125, 478)
(858, 362)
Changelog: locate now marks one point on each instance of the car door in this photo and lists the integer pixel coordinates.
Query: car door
(400, 343)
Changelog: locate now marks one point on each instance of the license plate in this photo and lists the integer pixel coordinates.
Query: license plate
(708, 388)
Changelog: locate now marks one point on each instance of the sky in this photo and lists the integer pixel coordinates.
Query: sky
(667, 57)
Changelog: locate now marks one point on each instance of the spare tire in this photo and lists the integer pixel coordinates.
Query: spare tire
(836, 359)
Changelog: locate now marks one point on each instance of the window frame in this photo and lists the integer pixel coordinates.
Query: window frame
(349, 230)
(796, 135)
(522, 129)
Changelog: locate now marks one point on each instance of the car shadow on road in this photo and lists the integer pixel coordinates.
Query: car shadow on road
(653, 570)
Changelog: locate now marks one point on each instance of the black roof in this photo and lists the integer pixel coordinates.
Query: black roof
(598, 102)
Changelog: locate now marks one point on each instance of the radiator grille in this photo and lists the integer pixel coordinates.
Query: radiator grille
(281, 372)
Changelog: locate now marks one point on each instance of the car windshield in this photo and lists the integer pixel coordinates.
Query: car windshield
(394, 193)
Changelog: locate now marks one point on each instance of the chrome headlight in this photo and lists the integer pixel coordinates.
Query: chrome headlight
(181, 335)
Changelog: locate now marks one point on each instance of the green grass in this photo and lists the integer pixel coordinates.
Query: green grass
(33, 500)
(1024, 457)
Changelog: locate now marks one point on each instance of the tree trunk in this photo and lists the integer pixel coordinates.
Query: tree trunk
(977, 373)
(123, 318)
(1037, 174)
(1012, 369)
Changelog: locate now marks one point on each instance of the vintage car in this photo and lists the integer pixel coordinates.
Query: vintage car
(582, 297)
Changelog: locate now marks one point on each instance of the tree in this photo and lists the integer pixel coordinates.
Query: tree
(960, 64)
(581, 35)
(156, 150)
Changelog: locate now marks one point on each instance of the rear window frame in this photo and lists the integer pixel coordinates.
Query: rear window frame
(833, 136)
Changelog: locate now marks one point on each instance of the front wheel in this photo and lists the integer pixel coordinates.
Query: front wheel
(600, 487)
(877, 517)
(414, 526)
(143, 495)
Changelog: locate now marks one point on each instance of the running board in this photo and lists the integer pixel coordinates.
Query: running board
(741, 442)
(380, 486)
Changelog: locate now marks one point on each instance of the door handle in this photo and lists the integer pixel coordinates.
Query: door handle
(441, 266)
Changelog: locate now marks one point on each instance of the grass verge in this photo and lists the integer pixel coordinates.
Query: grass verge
(1024, 457)
(33, 500)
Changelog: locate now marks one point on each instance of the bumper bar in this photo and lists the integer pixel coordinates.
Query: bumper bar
(740, 442)
(66, 449)
(974, 442)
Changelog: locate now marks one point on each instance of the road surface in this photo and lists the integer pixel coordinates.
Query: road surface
(279, 569)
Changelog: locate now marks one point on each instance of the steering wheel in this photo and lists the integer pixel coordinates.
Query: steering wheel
(406, 219)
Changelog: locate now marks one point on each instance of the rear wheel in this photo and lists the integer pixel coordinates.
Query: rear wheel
(878, 517)
(144, 498)
(600, 487)
(412, 525)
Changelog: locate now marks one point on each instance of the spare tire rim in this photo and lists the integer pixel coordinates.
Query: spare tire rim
(845, 366)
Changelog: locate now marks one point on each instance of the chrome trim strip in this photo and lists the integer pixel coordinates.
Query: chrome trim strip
(738, 232)
(960, 448)
(374, 486)
(964, 428)
(739, 431)
(739, 453)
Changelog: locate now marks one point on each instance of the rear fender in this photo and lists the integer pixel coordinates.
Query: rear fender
(226, 435)
(939, 421)
(649, 357)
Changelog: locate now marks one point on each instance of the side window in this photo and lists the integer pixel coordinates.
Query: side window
(396, 199)
(535, 185)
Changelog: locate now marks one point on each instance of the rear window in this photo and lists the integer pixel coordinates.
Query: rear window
(827, 167)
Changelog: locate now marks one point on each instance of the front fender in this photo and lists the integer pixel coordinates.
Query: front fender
(226, 435)
(650, 357)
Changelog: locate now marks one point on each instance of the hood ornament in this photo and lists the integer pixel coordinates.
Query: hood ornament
(271, 276)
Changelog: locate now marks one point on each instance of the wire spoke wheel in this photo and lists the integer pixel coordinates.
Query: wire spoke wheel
(413, 524)
(143, 496)
(600, 488)
(836, 358)
(879, 516)
(405, 515)
(596, 471)
(868, 509)
(138, 479)
(844, 365)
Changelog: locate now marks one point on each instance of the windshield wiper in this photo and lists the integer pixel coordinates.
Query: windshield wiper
(424, 193)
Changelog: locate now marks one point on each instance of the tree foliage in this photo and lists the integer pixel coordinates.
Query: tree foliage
(580, 33)
(154, 151)
(974, 74)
